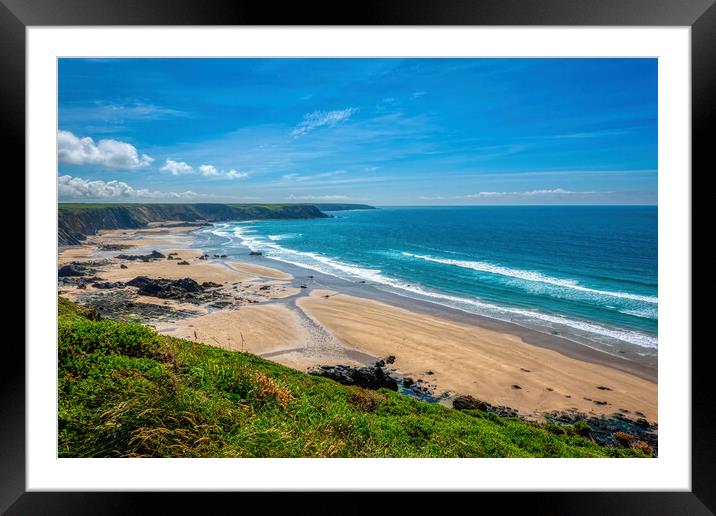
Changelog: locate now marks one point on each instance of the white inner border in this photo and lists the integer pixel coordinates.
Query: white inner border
(671, 470)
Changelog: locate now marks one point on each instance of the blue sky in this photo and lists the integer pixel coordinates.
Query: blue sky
(379, 131)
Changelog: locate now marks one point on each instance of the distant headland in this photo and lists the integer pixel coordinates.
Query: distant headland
(75, 221)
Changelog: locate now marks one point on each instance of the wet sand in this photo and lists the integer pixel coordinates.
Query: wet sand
(467, 359)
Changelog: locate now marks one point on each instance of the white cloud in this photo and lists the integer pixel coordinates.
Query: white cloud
(212, 171)
(176, 168)
(209, 171)
(318, 119)
(107, 153)
(311, 177)
(555, 191)
(553, 194)
(233, 174)
(76, 188)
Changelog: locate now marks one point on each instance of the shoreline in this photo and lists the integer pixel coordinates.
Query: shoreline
(295, 327)
(625, 360)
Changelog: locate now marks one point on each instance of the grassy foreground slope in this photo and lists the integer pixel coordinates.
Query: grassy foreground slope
(125, 391)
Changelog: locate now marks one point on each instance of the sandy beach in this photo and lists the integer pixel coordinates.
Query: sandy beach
(266, 311)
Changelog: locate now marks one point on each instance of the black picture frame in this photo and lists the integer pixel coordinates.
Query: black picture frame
(700, 15)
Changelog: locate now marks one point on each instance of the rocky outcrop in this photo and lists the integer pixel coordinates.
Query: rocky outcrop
(185, 289)
(71, 269)
(114, 247)
(372, 377)
(154, 255)
(165, 288)
(105, 285)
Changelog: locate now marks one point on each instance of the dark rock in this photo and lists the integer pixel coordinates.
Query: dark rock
(183, 262)
(78, 281)
(515, 386)
(222, 256)
(108, 284)
(525, 370)
(120, 305)
(210, 284)
(304, 286)
(154, 255)
(603, 388)
(122, 266)
(255, 253)
(408, 381)
(114, 247)
(429, 372)
(165, 288)
(366, 377)
(71, 270)
(468, 402)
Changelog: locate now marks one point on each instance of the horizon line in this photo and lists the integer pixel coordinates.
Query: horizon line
(364, 203)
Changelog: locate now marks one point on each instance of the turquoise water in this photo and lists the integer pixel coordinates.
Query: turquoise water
(585, 272)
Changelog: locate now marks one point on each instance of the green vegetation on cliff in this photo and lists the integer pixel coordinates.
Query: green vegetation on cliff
(76, 221)
(342, 207)
(125, 391)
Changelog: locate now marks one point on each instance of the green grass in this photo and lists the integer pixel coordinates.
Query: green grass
(125, 391)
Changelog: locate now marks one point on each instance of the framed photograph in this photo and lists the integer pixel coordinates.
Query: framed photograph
(420, 248)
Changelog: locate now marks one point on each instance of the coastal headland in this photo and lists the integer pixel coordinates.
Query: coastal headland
(137, 273)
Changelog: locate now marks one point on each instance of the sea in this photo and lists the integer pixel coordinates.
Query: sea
(586, 273)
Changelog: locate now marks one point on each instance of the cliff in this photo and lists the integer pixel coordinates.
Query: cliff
(76, 221)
